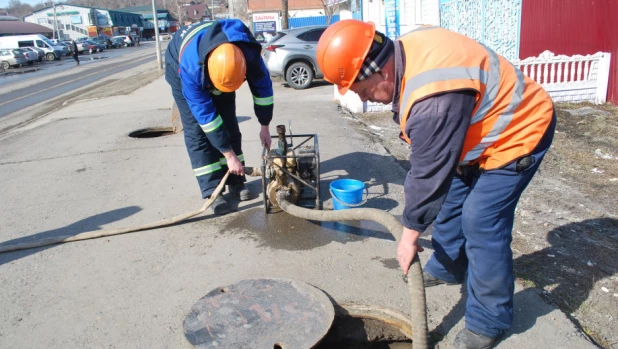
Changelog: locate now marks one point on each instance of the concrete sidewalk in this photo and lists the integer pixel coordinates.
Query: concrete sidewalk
(77, 170)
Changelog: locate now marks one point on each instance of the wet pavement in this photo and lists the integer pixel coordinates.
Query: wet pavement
(282, 231)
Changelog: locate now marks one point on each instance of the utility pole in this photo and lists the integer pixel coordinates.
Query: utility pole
(284, 14)
(180, 23)
(55, 21)
(212, 10)
(156, 28)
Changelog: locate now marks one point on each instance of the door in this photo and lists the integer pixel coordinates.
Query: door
(309, 42)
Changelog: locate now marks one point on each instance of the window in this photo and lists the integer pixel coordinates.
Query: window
(312, 35)
(25, 43)
(418, 12)
(40, 43)
(195, 12)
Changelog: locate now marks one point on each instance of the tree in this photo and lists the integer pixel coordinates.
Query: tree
(330, 9)
(17, 9)
(284, 14)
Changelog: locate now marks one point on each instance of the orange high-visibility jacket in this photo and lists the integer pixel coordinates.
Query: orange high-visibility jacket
(512, 111)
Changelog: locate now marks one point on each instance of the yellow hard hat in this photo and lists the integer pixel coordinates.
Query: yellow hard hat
(227, 67)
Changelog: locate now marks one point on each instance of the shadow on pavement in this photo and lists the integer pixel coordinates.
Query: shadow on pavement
(87, 224)
(369, 168)
(564, 273)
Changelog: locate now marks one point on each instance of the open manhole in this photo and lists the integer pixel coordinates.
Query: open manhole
(289, 314)
(152, 132)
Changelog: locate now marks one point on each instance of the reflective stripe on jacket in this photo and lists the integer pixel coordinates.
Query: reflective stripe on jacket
(512, 111)
(191, 46)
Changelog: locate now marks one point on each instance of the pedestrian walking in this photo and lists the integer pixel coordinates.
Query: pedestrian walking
(478, 130)
(75, 51)
(206, 63)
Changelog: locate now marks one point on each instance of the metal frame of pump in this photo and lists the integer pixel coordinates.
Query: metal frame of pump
(291, 168)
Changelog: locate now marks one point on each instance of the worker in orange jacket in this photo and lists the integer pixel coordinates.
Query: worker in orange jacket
(478, 130)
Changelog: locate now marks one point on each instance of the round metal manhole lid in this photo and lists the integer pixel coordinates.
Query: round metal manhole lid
(152, 132)
(260, 314)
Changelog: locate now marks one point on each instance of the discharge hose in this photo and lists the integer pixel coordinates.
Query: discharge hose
(418, 311)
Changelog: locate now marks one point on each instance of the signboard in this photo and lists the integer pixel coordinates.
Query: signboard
(107, 31)
(67, 13)
(92, 31)
(391, 10)
(265, 25)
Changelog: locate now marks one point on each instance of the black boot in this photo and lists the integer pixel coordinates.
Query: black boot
(429, 280)
(240, 191)
(467, 339)
(220, 206)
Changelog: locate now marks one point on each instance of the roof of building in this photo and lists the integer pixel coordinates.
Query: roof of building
(22, 28)
(197, 11)
(141, 9)
(159, 16)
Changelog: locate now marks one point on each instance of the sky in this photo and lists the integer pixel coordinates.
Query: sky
(5, 3)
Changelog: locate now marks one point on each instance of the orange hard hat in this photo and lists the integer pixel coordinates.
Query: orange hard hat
(227, 67)
(342, 49)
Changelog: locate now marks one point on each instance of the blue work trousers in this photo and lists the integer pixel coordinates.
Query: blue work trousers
(473, 233)
(201, 151)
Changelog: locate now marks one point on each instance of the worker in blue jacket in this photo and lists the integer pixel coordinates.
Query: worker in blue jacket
(206, 63)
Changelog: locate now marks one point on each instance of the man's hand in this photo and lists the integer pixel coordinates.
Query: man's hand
(233, 163)
(265, 137)
(407, 248)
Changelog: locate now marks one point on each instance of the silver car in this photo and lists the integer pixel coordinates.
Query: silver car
(12, 57)
(31, 55)
(291, 54)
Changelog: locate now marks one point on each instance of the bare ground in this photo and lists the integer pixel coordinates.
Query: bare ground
(565, 238)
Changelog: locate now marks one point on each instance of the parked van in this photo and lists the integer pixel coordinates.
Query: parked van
(35, 40)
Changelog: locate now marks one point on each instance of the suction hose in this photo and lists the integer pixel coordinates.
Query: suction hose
(418, 311)
(415, 276)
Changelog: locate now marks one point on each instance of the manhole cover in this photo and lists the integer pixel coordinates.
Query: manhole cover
(152, 132)
(260, 314)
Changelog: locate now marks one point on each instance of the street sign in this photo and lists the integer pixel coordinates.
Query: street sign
(391, 10)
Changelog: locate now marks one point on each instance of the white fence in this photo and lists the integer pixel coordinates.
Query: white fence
(570, 79)
(566, 79)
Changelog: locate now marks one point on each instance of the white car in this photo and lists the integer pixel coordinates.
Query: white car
(164, 36)
(127, 40)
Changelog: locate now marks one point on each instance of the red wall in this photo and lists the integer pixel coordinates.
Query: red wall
(572, 27)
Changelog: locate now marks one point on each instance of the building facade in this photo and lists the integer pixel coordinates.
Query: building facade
(165, 21)
(73, 21)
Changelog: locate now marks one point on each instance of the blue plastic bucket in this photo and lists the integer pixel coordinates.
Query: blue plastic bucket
(347, 193)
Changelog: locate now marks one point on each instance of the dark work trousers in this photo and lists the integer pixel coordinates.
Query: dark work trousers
(201, 151)
(75, 57)
(473, 233)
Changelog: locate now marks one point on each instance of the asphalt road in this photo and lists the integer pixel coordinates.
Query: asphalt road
(35, 93)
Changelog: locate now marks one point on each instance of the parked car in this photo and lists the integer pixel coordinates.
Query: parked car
(127, 40)
(12, 58)
(105, 40)
(81, 46)
(40, 52)
(165, 36)
(101, 46)
(51, 50)
(92, 46)
(118, 43)
(291, 54)
(31, 55)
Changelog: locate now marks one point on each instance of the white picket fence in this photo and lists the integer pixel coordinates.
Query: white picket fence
(566, 79)
(570, 79)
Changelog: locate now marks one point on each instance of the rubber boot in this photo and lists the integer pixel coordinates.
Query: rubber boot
(240, 191)
(467, 339)
(220, 206)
